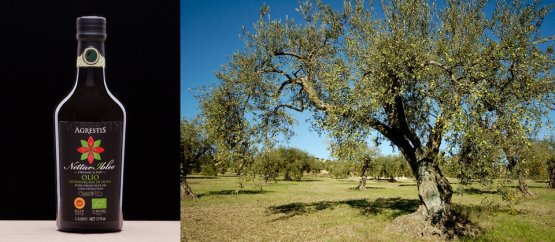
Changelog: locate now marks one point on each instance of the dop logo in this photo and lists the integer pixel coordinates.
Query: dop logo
(79, 203)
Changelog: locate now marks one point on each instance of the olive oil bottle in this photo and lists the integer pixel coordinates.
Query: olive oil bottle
(90, 140)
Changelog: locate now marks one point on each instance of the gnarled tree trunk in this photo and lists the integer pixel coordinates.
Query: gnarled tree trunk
(186, 191)
(287, 176)
(552, 177)
(522, 186)
(434, 192)
(515, 166)
(362, 182)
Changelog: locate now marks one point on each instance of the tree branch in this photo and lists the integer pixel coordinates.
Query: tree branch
(448, 70)
(281, 87)
(364, 76)
(434, 139)
(275, 70)
(285, 53)
(400, 110)
(397, 117)
(283, 84)
(297, 71)
(301, 109)
(313, 95)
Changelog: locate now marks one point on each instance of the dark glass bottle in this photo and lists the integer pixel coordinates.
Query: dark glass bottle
(90, 141)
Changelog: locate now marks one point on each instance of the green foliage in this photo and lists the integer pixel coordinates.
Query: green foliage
(390, 166)
(268, 165)
(488, 166)
(209, 168)
(539, 158)
(509, 194)
(340, 169)
(226, 125)
(352, 151)
(317, 165)
(195, 146)
(291, 163)
(474, 164)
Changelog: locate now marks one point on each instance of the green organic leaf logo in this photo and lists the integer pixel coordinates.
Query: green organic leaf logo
(90, 150)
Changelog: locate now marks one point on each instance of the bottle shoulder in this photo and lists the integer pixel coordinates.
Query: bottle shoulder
(90, 106)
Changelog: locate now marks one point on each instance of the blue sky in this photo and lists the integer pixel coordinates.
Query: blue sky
(210, 33)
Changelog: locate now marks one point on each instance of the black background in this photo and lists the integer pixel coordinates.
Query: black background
(37, 63)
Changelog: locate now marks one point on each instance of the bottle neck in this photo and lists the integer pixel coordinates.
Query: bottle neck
(83, 44)
(90, 75)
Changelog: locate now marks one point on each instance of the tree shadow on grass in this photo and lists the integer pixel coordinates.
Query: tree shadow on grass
(301, 180)
(473, 190)
(398, 206)
(479, 191)
(232, 192)
(201, 177)
(482, 211)
(529, 186)
(367, 187)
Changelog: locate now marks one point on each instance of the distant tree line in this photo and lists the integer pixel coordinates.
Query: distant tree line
(381, 167)
(288, 163)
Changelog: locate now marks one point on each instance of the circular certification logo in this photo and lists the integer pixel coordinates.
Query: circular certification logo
(79, 203)
(90, 56)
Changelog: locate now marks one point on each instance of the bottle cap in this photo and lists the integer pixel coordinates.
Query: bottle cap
(91, 27)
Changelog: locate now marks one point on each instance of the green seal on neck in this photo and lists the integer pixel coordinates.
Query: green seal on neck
(90, 57)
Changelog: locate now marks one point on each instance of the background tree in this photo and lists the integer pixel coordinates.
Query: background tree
(295, 163)
(364, 157)
(291, 163)
(267, 165)
(543, 156)
(517, 164)
(392, 166)
(551, 165)
(475, 161)
(536, 160)
(195, 148)
(365, 164)
(511, 146)
(358, 154)
(339, 169)
(418, 76)
(317, 165)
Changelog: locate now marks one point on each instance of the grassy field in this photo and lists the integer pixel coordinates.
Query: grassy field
(324, 209)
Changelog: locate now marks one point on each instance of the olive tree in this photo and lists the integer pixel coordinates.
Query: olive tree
(365, 164)
(225, 109)
(357, 154)
(290, 162)
(417, 74)
(542, 159)
(551, 165)
(500, 138)
(295, 162)
(339, 169)
(391, 166)
(194, 147)
(267, 164)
